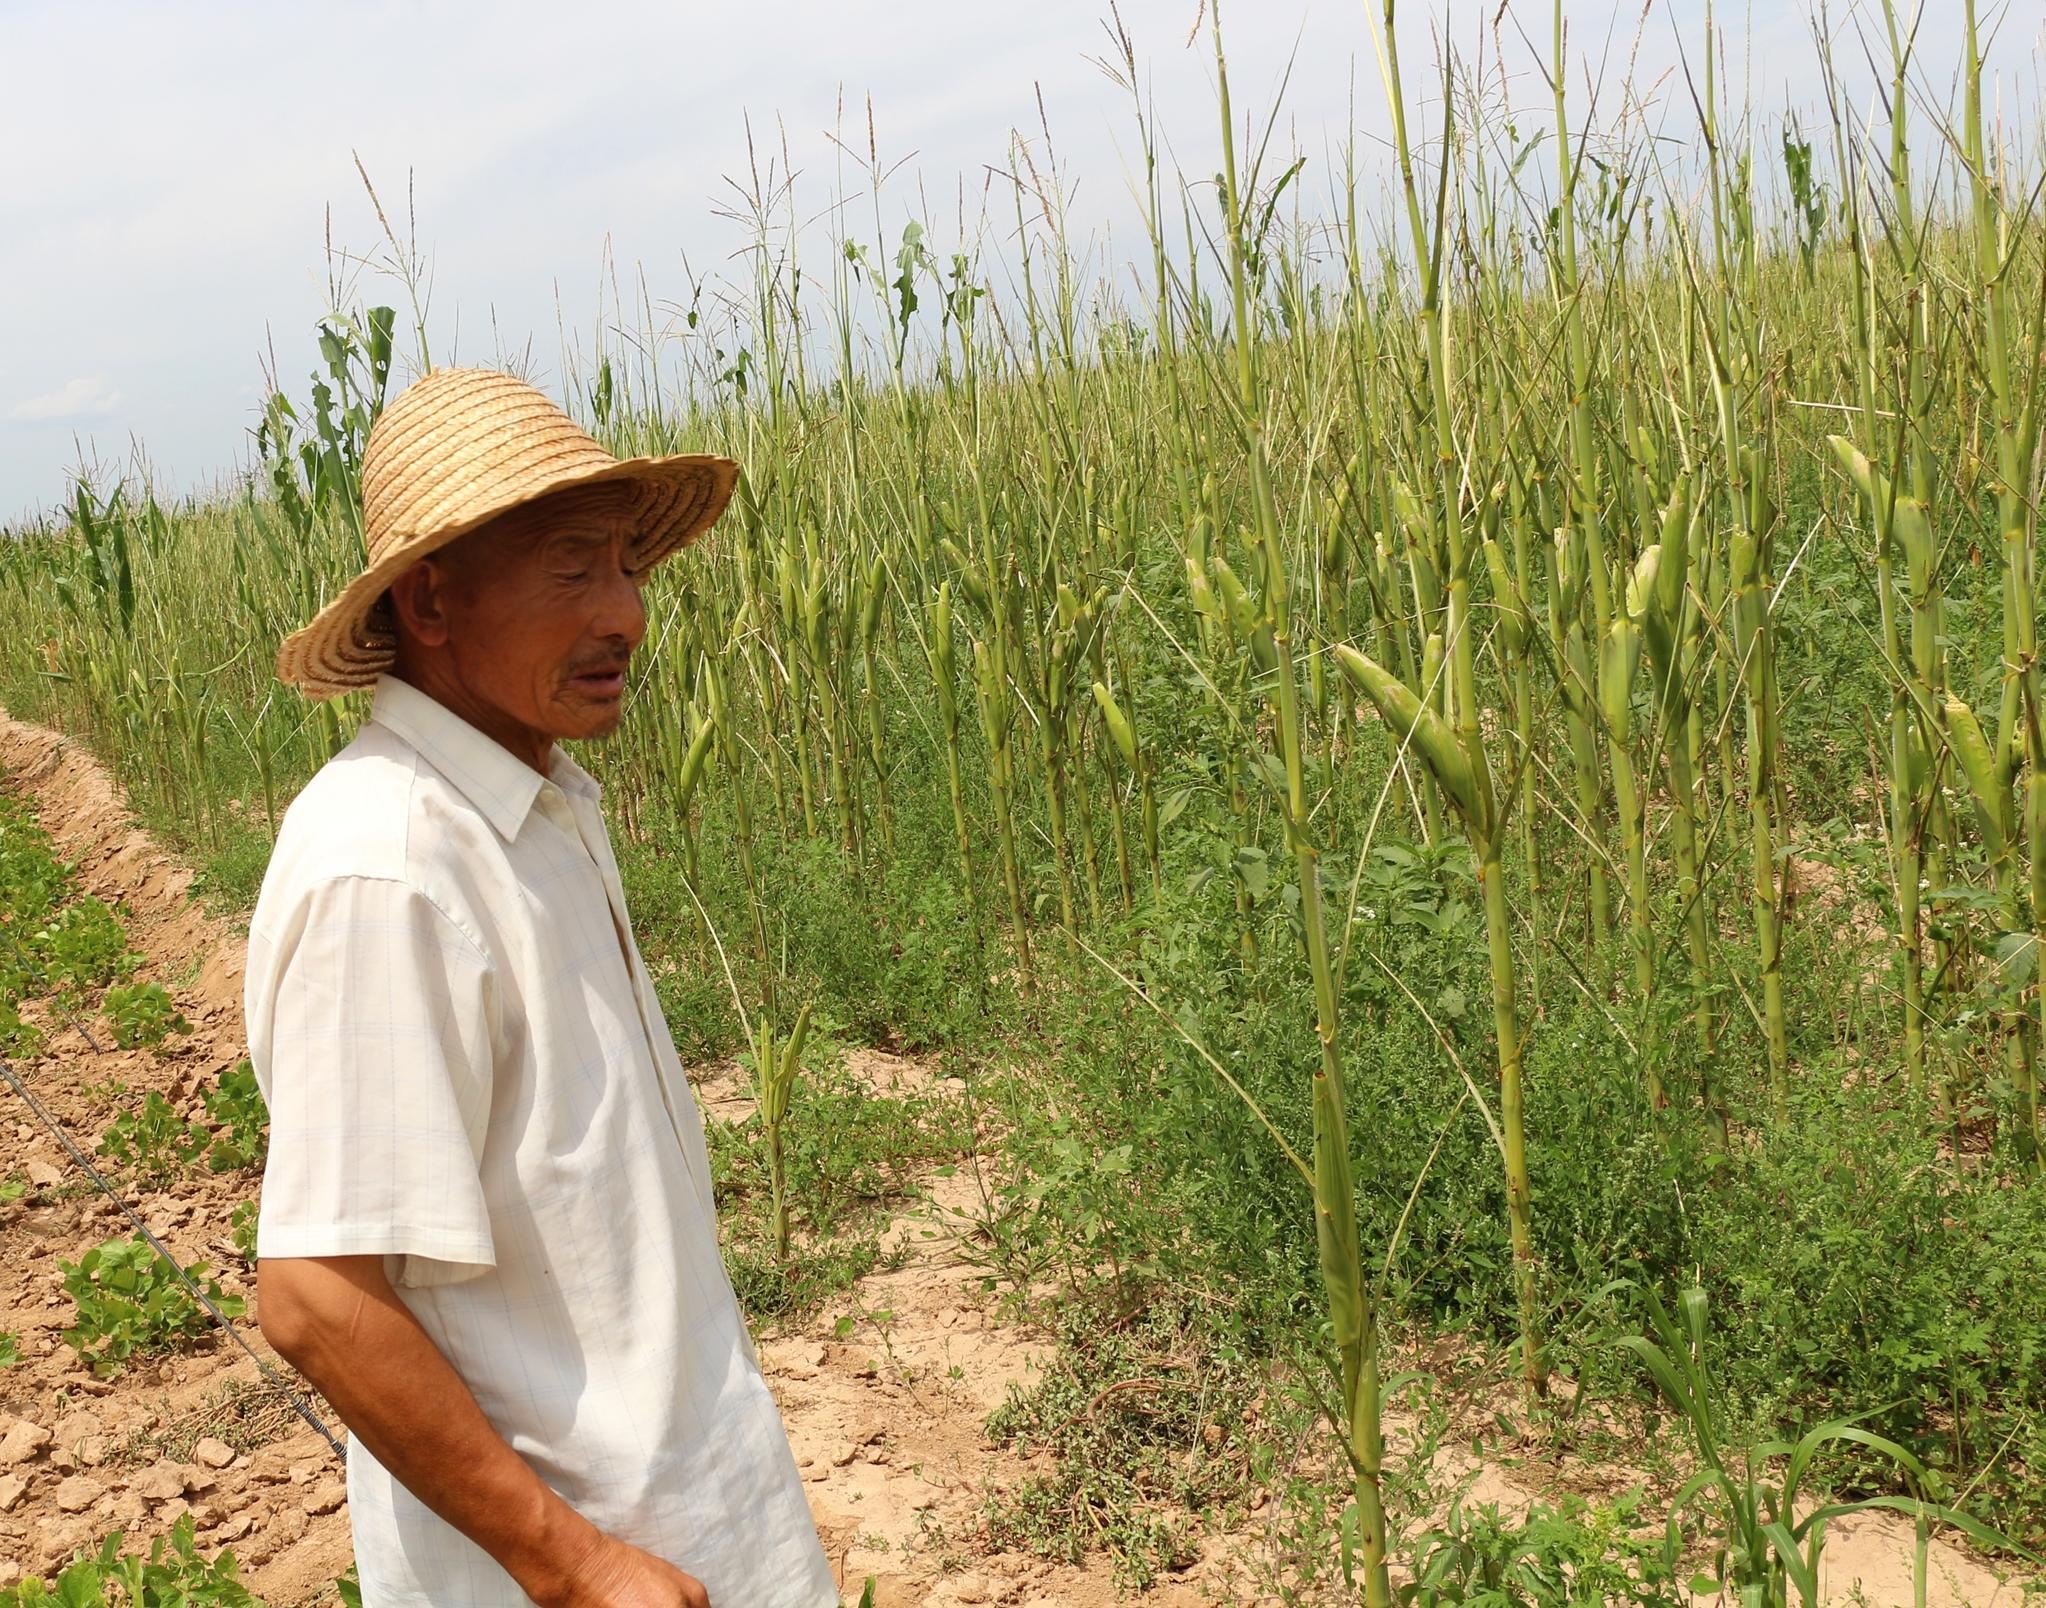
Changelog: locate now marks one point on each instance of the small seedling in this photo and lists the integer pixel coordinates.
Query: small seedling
(242, 1230)
(17, 1038)
(155, 1142)
(131, 1301)
(241, 1137)
(143, 1015)
(172, 1574)
(83, 948)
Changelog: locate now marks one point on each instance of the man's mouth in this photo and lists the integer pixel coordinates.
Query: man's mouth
(600, 681)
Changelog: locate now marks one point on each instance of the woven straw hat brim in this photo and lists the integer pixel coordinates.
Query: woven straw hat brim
(345, 648)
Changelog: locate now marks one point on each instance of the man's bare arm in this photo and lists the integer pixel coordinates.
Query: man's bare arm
(338, 1321)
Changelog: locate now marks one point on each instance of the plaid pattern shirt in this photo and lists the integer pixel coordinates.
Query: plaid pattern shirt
(468, 1075)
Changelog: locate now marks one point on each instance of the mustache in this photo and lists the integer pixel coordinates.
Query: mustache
(600, 663)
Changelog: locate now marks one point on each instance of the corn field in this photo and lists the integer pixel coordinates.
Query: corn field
(1624, 527)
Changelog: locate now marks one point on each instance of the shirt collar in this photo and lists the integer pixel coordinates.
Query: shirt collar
(488, 774)
(571, 778)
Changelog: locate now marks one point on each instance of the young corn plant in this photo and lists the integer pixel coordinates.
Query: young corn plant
(1730, 326)
(1619, 657)
(1757, 1505)
(685, 769)
(1234, 649)
(732, 759)
(1916, 716)
(1585, 490)
(1892, 350)
(943, 654)
(994, 698)
(776, 1062)
(870, 595)
(1516, 627)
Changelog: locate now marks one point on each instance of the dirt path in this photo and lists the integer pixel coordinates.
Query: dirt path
(886, 1420)
(199, 1433)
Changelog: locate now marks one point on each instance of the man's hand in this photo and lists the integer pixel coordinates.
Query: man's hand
(614, 1575)
(339, 1322)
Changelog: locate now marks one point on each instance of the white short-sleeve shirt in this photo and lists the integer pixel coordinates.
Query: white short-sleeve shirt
(468, 1074)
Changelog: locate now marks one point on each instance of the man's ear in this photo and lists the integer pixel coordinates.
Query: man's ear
(420, 599)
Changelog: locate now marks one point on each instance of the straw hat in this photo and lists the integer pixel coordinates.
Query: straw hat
(453, 452)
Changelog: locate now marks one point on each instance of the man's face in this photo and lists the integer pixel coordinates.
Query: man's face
(541, 612)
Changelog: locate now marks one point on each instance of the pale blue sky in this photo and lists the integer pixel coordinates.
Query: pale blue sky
(168, 167)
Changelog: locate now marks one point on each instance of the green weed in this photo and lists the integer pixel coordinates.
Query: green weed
(1150, 1423)
(1576, 1554)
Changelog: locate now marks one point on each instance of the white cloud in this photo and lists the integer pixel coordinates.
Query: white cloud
(86, 396)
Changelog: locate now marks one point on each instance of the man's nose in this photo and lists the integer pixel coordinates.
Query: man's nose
(621, 609)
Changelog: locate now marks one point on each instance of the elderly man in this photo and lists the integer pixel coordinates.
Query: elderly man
(487, 1232)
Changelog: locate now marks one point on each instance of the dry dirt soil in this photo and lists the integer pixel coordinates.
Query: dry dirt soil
(888, 1434)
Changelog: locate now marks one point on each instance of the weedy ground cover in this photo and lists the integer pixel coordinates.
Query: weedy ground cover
(246, 1414)
(1569, 1553)
(849, 1156)
(1444, 775)
(1144, 1433)
(50, 942)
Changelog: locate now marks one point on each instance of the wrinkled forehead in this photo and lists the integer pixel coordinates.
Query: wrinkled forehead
(599, 513)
